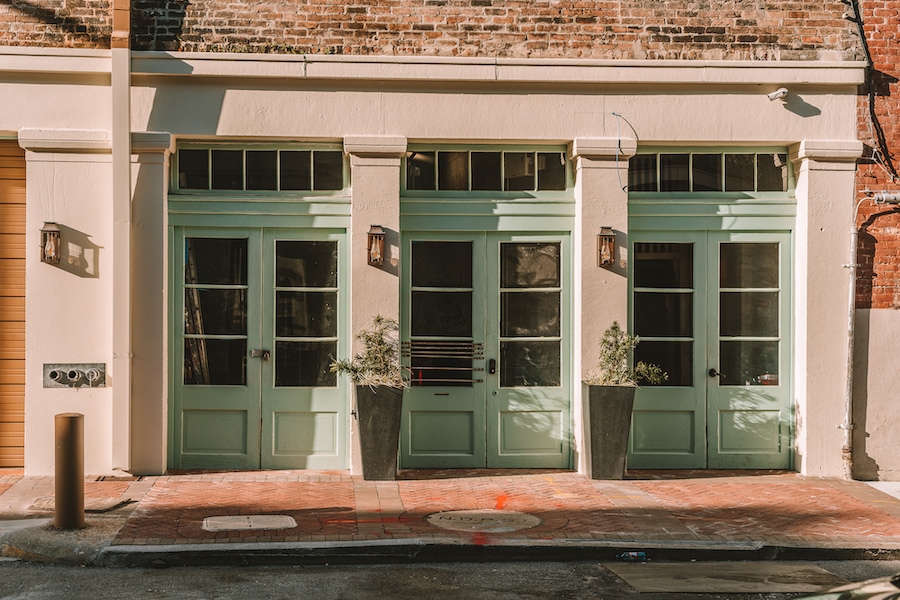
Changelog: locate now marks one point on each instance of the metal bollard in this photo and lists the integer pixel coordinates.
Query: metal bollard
(69, 471)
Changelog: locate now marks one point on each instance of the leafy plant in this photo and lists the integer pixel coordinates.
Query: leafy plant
(613, 367)
(379, 362)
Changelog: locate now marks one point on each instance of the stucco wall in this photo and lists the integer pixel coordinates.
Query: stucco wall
(68, 181)
(340, 99)
(876, 385)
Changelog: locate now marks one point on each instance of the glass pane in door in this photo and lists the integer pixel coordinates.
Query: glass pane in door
(530, 313)
(663, 308)
(441, 342)
(306, 309)
(215, 311)
(749, 313)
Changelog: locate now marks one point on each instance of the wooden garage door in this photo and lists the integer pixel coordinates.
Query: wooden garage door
(12, 305)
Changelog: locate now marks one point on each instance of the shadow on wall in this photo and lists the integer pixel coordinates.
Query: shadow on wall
(865, 468)
(78, 254)
(801, 107)
(157, 24)
(96, 32)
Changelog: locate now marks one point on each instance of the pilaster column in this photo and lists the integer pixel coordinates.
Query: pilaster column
(825, 198)
(600, 294)
(375, 163)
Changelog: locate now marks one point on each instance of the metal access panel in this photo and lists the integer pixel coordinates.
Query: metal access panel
(74, 375)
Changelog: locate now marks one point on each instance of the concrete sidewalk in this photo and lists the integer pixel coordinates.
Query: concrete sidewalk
(315, 516)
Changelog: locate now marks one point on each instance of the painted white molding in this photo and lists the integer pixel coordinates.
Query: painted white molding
(434, 68)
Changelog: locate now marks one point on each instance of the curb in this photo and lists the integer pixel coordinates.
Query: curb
(445, 551)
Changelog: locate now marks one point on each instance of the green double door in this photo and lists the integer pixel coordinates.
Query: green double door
(257, 316)
(714, 310)
(487, 340)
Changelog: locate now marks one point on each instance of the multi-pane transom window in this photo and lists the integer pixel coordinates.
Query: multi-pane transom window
(708, 172)
(286, 170)
(485, 171)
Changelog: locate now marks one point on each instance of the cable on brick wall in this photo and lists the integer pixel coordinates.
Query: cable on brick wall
(881, 154)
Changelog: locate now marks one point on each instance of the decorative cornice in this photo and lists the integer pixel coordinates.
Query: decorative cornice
(65, 140)
(375, 145)
(606, 147)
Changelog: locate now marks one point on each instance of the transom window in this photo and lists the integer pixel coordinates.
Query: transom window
(477, 170)
(708, 172)
(246, 169)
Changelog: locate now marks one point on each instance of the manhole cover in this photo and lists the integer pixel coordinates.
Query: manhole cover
(243, 522)
(487, 520)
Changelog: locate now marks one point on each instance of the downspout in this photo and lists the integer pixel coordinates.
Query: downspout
(855, 15)
(121, 256)
(848, 426)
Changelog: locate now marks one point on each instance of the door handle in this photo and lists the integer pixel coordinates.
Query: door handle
(714, 373)
(263, 354)
(492, 366)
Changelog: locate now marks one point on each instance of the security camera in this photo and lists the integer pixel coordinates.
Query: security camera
(779, 94)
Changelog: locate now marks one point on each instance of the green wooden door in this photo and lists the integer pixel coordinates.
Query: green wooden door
(257, 317)
(713, 309)
(486, 337)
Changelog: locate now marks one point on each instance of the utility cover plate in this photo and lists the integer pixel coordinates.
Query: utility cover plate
(485, 521)
(753, 577)
(244, 522)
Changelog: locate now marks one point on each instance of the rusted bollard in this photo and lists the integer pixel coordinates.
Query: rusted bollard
(69, 471)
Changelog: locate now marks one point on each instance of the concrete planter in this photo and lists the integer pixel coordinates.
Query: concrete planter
(378, 416)
(609, 414)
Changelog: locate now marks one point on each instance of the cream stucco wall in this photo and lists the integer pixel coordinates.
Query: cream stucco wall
(876, 392)
(68, 179)
(59, 104)
(825, 189)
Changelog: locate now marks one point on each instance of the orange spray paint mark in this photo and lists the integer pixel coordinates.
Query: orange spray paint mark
(501, 501)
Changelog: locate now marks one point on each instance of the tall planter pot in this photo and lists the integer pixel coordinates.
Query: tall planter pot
(609, 413)
(378, 416)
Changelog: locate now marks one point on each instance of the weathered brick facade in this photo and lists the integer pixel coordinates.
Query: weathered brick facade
(878, 285)
(56, 23)
(612, 29)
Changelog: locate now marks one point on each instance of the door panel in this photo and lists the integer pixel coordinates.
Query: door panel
(713, 309)
(252, 387)
(217, 283)
(749, 400)
(669, 312)
(528, 398)
(487, 345)
(443, 422)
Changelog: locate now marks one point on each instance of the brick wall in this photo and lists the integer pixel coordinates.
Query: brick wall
(653, 29)
(55, 23)
(878, 284)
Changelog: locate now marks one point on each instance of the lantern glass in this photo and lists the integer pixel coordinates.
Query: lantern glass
(50, 243)
(375, 245)
(606, 247)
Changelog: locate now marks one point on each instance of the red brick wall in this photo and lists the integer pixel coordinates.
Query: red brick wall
(55, 23)
(654, 29)
(878, 284)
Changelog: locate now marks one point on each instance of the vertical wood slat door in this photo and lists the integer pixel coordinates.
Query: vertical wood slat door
(12, 305)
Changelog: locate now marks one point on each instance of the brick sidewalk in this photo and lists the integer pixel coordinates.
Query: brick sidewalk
(668, 507)
(778, 509)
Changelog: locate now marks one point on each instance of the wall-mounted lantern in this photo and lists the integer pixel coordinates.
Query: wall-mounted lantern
(606, 247)
(375, 246)
(50, 243)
